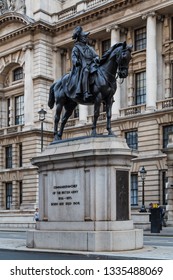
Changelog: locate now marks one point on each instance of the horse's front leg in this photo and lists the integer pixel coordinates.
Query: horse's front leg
(56, 122)
(69, 108)
(109, 116)
(96, 114)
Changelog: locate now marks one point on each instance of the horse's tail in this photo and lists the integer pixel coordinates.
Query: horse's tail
(51, 100)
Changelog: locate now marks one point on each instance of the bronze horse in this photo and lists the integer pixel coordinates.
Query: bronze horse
(103, 84)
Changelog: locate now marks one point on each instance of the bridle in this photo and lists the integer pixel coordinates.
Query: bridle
(120, 67)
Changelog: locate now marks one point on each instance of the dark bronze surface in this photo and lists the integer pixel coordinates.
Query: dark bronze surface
(122, 201)
(91, 81)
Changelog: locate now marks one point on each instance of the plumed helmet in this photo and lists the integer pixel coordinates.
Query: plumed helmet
(78, 32)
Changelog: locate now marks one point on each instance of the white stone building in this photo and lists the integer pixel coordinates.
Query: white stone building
(35, 50)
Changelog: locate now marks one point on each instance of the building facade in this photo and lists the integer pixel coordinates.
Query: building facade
(36, 43)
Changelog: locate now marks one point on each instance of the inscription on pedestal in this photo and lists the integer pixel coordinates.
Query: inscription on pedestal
(65, 195)
(122, 201)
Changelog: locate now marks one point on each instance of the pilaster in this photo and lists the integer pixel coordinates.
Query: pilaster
(15, 196)
(167, 78)
(28, 87)
(57, 71)
(2, 110)
(15, 155)
(83, 113)
(151, 62)
(130, 78)
(115, 38)
(2, 195)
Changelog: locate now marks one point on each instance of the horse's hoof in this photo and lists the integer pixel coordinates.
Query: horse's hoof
(93, 134)
(110, 133)
(57, 137)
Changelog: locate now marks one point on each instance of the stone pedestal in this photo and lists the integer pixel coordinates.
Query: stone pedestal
(84, 196)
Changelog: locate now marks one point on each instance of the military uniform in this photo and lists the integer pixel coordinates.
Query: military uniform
(85, 61)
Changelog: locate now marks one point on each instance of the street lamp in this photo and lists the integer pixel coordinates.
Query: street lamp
(143, 173)
(42, 113)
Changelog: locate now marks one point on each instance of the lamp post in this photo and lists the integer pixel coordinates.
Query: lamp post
(143, 173)
(42, 113)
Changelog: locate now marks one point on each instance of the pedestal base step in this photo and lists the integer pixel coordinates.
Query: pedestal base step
(86, 240)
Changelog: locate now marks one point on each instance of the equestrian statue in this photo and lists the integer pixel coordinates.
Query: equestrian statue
(92, 80)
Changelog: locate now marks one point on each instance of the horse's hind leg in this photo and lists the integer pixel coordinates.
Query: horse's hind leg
(96, 114)
(69, 108)
(57, 136)
(109, 115)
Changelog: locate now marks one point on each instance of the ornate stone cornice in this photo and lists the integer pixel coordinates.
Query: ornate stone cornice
(94, 14)
(13, 16)
(14, 6)
(81, 18)
(148, 14)
(152, 14)
(29, 26)
(114, 26)
(28, 47)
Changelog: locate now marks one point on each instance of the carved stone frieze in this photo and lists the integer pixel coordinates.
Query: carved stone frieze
(168, 52)
(12, 6)
(16, 57)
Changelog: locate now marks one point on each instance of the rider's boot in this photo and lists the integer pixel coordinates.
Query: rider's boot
(87, 95)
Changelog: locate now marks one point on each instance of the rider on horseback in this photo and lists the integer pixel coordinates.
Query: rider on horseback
(85, 61)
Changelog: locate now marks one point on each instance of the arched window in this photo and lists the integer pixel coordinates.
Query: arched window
(18, 74)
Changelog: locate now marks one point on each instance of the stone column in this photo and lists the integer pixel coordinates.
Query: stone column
(28, 87)
(57, 70)
(3, 109)
(167, 78)
(130, 78)
(64, 61)
(115, 38)
(2, 196)
(83, 113)
(15, 156)
(151, 62)
(169, 195)
(15, 196)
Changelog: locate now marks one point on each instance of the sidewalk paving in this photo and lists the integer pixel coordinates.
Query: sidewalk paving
(146, 253)
(166, 231)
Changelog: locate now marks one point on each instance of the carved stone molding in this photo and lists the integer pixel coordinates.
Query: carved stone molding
(168, 52)
(153, 14)
(149, 14)
(116, 27)
(16, 58)
(12, 6)
(28, 47)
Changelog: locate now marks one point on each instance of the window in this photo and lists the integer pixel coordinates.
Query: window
(76, 112)
(132, 139)
(19, 109)
(8, 156)
(8, 112)
(20, 192)
(166, 130)
(18, 74)
(140, 88)
(105, 45)
(134, 189)
(164, 181)
(20, 155)
(8, 195)
(140, 39)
